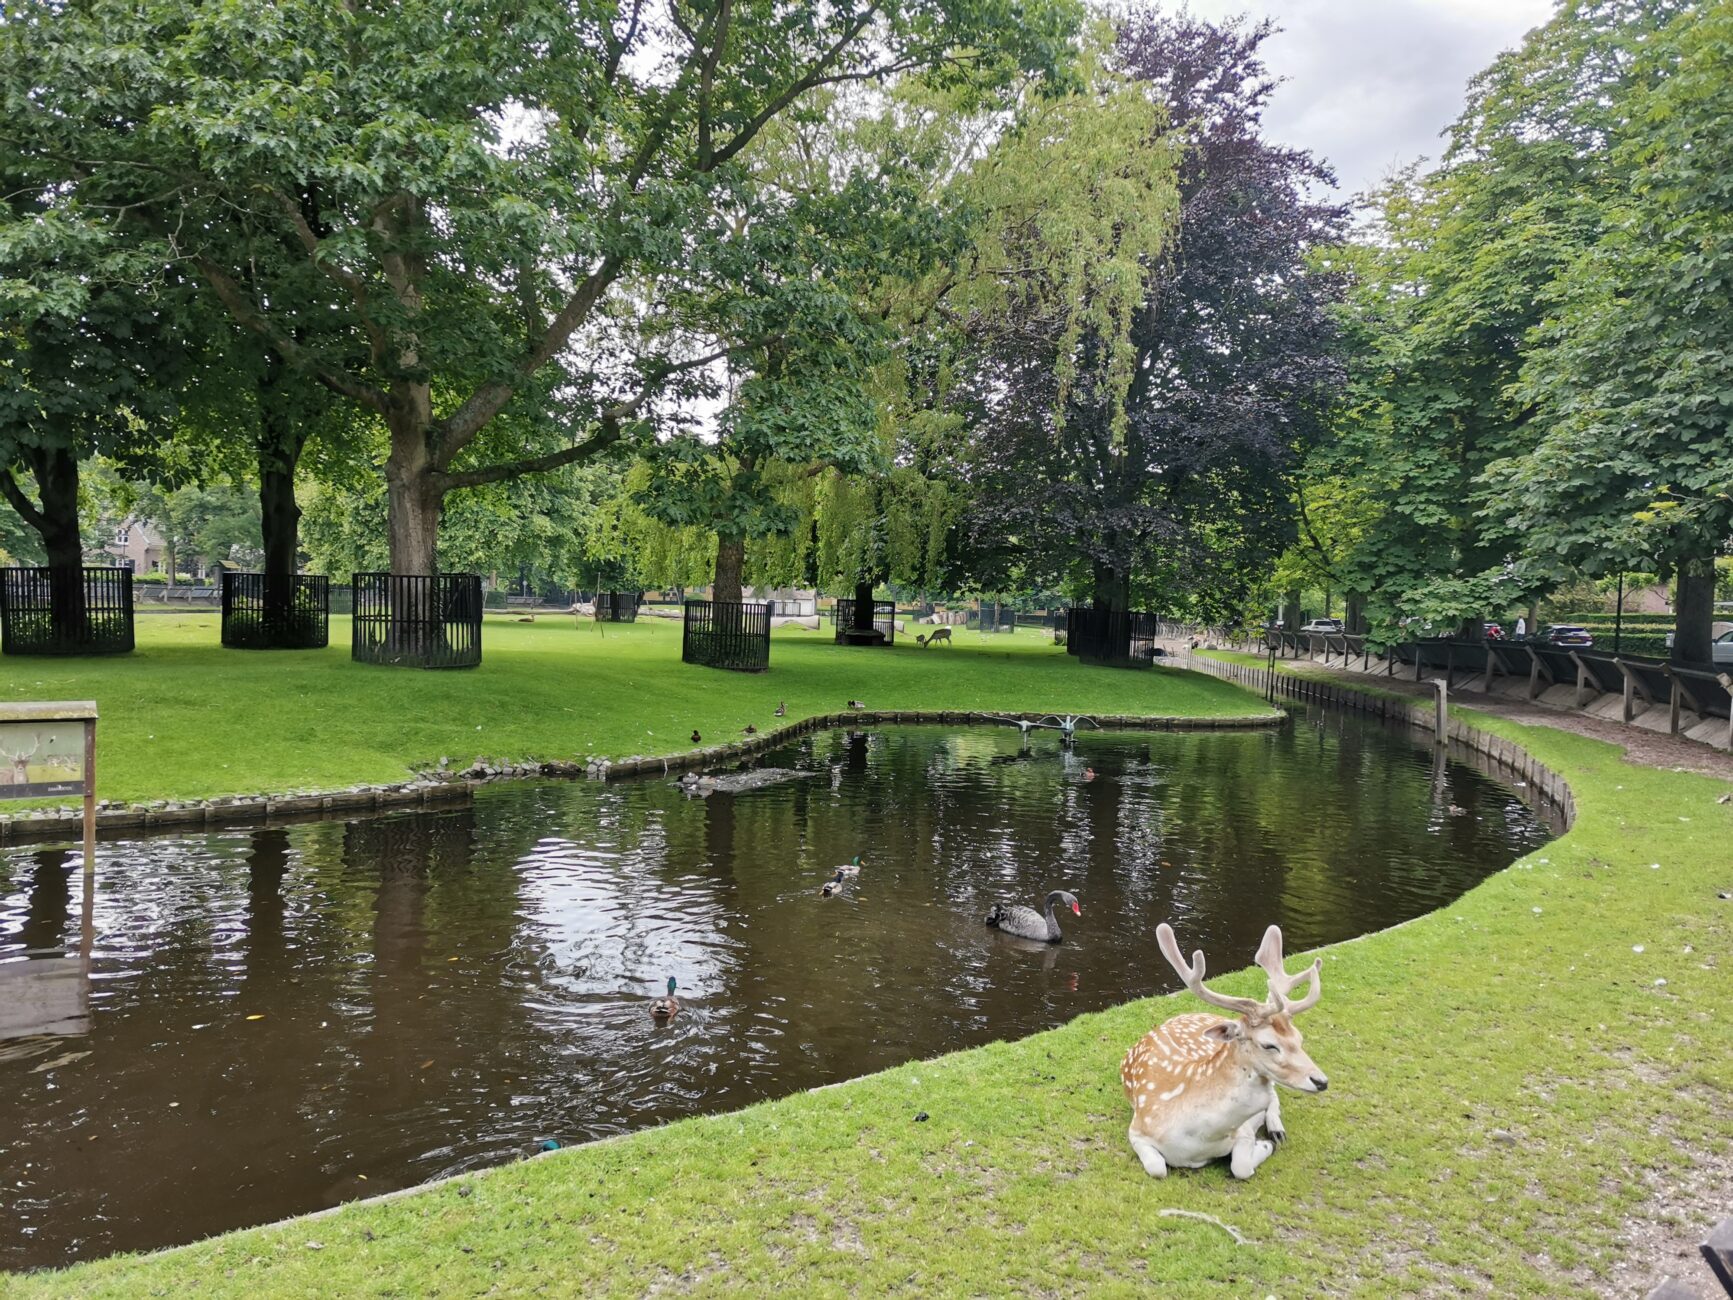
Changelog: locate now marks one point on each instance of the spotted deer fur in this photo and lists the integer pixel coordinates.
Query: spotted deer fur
(1201, 1085)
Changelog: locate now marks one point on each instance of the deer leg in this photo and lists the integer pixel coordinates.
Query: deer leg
(1153, 1164)
(1250, 1150)
(1273, 1119)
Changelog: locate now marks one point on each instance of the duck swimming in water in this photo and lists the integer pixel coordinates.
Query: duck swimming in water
(833, 886)
(1027, 923)
(665, 1008)
(851, 868)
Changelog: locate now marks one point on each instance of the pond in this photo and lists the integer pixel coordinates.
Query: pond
(283, 1018)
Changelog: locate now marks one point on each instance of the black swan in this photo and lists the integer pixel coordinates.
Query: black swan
(1027, 923)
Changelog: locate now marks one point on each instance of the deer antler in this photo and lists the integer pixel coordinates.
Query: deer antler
(1193, 976)
(1281, 983)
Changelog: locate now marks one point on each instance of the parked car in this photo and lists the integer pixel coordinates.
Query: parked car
(1567, 634)
(1333, 626)
(1720, 649)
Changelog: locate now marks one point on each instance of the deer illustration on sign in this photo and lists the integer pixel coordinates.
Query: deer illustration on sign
(17, 769)
(1200, 1085)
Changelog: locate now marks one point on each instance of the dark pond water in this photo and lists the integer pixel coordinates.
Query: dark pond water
(284, 1018)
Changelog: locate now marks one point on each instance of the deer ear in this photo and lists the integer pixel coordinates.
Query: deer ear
(1225, 1031)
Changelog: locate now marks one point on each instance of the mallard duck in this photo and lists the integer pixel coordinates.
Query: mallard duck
(857, 704)
(851, 868)
(1457, 810)
(750, 730)
(1027, 923)
(696, 738)
(781, 709)
(665, 1008)
(833, 885)
(1088, 774)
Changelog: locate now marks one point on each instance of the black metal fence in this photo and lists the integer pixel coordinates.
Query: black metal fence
(884, 622)
(287, 611)
(417, 621)
(723, 634)
(1115, 637)
(84, 611)
(617, 606)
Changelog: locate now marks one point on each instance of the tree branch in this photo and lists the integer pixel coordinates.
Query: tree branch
(608, 435)
(813, 78)
(230, 294)
(1312, 536)
(14, 494)
(376, 340)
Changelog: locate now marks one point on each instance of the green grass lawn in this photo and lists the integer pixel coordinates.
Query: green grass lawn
(182, 718)
(1511, 1077)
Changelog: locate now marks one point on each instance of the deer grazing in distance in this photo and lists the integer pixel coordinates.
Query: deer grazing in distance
(942, 634)
(1200, 1085)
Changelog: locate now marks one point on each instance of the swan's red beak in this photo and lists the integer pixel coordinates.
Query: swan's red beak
(1075, 908)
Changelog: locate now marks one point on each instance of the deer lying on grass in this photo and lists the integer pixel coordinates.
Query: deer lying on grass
(1199, 1085)
(943, 634)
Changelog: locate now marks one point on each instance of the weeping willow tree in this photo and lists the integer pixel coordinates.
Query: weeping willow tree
(662, 549)
(882, 528)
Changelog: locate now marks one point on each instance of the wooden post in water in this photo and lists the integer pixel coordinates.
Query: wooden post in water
(1441, 711)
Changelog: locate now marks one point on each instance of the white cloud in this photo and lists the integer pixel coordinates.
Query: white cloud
(1370, 84)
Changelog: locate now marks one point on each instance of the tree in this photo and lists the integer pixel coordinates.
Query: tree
(508, 204)
(1631, 376)
(1465, 263)
(1129, 439)
(90, 355)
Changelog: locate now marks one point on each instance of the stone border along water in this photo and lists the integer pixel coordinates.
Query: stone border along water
(1504, 757)
(443, 786)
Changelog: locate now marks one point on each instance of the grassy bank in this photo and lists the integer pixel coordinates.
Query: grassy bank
(1513, 1079)
(182, 718)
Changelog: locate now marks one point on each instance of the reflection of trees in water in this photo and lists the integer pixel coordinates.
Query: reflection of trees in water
(48, 907)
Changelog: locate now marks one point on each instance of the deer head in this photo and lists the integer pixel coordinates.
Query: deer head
(1262, 1035)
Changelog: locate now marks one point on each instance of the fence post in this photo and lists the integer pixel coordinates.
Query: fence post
(1582, 679)
(1727, 685)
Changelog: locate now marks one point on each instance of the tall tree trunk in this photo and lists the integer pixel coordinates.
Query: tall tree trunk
(1112, 588)
(730, 560)
(55, 520)
(414, 495)
(1354, 613)
(280, 445)
(1694, 610)
(863, 605)
(1291, 619)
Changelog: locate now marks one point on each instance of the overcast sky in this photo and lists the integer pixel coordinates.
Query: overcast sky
(1369, 84)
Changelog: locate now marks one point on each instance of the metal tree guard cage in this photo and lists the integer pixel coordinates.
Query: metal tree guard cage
(285, 611)
(1114, 637)
(723, 634)
(417, 620)
(884, 622)
(84, 611)
(617, 606)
